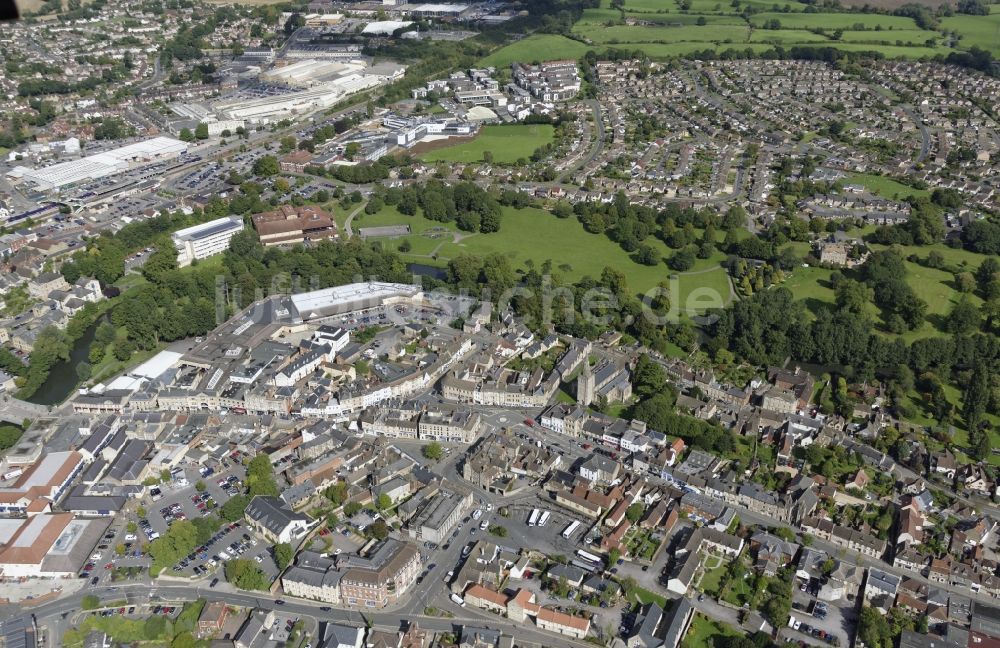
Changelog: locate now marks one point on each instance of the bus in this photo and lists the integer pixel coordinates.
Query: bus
(568, 531)
(534, 517)
(542, 521)
(589, 557)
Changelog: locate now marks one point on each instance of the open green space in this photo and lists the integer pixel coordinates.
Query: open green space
(507, 143)
(539, 47)
(527, 236)
(885, 187)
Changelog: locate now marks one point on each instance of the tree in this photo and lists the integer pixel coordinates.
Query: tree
(433, 451)
(234, 508)
(976, 398)
(634, 512)
(184, 640)
(154, 627)
(90, 602)
(378, 530)
(200, 486)
(201, 131)
(283, 555)
(498, 530)
(964, 317)
(266, 166)
(384, 502)
(186, 135)
(9, 436)
(649, 378)
(337, 494)
(614, 555)
(682, 260)
(874, 629)
(260, 477)
(777, 610)
(245, 574)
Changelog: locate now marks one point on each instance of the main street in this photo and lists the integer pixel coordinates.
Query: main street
(141, 593)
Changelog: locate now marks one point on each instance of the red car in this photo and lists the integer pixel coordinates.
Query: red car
(529, 422)
(109, 566)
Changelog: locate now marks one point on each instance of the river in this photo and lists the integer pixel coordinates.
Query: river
(62, 379)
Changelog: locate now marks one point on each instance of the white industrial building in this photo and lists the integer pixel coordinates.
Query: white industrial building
(99, 165)
(385, 27)
(205, 240)
(308, 73)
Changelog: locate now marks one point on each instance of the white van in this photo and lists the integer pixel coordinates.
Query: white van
(457, 599)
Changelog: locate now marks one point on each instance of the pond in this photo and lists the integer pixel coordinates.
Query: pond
(424, 270)
(62, 379)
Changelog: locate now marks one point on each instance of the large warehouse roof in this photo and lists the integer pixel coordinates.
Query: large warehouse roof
(342, 299)
(100, 165)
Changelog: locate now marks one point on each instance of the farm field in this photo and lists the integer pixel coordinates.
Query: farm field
(667, 35)
(835, 21)
(982, 31)
(669, 31)
(506, 143)
(539, 47)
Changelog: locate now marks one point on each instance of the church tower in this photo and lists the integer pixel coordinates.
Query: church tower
(585, 385)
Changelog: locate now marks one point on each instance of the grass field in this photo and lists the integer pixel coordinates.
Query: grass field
(528, 235)
(885, 187)
(539, 47)
(507, 144)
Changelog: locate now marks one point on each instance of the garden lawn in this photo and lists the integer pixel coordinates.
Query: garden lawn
(508, 144)
(704, 632)
(538, 47)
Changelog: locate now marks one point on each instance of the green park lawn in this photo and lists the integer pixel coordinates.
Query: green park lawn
(885, 187)
(528, 236)
(538, 47)
(507, 143)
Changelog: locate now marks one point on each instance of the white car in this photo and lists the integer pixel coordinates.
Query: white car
(484, 525)
(130, 537)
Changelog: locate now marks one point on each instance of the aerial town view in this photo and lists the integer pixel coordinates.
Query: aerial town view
(501, 324)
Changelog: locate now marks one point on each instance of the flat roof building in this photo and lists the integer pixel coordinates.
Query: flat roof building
(205, 240)
(99, 165)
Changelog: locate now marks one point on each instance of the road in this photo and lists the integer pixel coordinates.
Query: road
(13, 410)
(141, 593)
(348, 232)
(595, 107)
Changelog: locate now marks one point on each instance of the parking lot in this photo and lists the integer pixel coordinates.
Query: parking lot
(826, 622)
